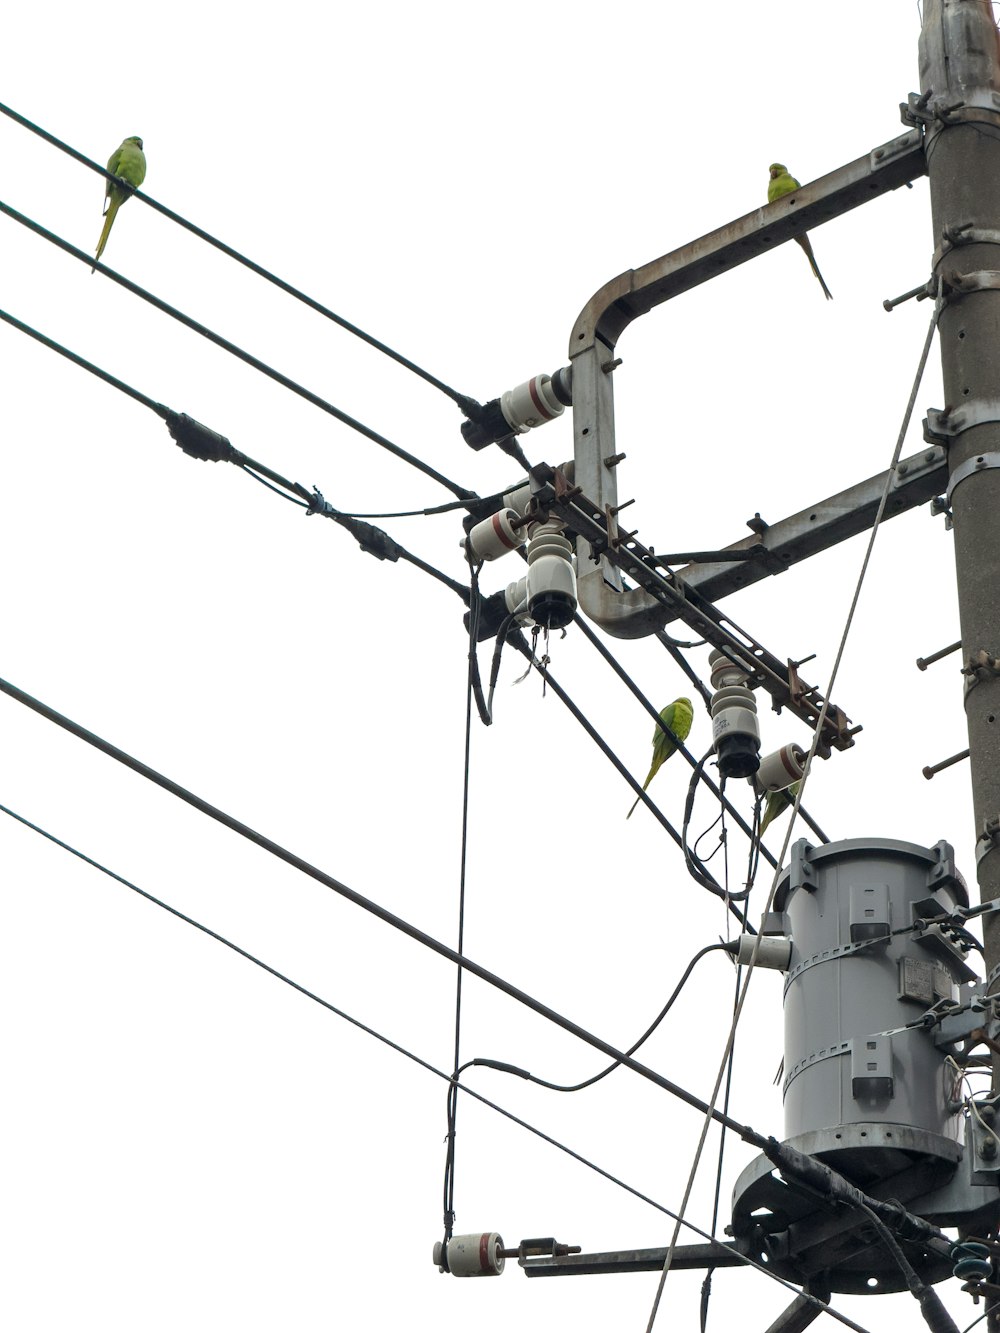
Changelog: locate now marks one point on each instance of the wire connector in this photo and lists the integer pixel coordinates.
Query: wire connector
(372, 540)
(200, 441)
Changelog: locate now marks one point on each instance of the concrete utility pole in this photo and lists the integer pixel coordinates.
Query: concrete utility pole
(960, 92)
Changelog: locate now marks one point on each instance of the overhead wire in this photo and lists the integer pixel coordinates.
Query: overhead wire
(467, 404)
(616, 666)
(247, 358)
(451, 1108)
(421, 1062)
(807, 765)
(421, 937)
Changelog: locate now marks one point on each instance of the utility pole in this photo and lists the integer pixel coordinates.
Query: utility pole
(881, 1007)
(960, 92)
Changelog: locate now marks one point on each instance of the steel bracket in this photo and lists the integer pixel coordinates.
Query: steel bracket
(955, 286)
(988, 840)
(942, 424)
(979, 463)
(963, 233)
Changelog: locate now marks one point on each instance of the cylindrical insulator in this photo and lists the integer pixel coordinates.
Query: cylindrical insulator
(477, 1255)
(972, 1261)
(530, 404)
(780, 769)
(551, 576)
(494, 536)
(735, 731)
(772, 951)
(724, 670)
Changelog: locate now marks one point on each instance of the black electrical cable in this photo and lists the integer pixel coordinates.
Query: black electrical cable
(468, 405)
(623, 675)
(696, 868)
(418, 1060)
(254, 362)
(709, 883)
(507, 1068)
(471, 688)
(934, 1313)
(127, 389)
(246, 465)
(673, 647)
(746, 1132)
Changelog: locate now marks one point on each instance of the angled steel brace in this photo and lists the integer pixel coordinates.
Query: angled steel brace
(625, 298)
(779, 545)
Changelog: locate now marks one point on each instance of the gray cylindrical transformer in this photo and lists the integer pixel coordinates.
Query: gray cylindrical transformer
(847, 1085)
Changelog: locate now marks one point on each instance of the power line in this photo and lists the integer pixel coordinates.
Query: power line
(468, 405)
(248, 358)
(201, 442)
(623, 675)
(746, 1132)
(418, 1060)
(710, 883)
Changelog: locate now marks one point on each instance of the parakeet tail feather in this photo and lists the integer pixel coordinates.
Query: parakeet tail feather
(807, 247)
(108, 220)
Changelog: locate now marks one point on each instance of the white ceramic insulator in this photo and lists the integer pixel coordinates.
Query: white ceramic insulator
(551, 576)
(734, 712)
(779, 770)
(516, 596)
(530, 404)
(724, 670)
(477, 1255)
(494, 536)
(772, 951)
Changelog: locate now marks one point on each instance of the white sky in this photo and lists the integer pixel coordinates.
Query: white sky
(189, 1142)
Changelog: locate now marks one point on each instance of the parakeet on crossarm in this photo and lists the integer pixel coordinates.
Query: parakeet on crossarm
(127, 161)
(777, 803)
(780, 184)
(678, 717)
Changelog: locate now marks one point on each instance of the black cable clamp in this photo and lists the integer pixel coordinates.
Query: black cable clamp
(372, 540)
(200, 441)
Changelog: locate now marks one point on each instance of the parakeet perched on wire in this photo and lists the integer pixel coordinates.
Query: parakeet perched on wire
(776, 804)
(127, 161)
(780, 184)
(678, 716)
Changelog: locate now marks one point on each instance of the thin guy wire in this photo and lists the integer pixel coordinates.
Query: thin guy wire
(746, 1132)
(248, 358)
(423, 1064)
(461, 399)
(751, 964)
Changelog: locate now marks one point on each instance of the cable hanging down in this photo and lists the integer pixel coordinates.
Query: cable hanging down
(468, 405)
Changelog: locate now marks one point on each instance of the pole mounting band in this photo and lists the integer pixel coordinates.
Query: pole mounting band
(979, 463)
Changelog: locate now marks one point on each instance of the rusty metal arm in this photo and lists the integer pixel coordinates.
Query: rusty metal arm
(631, 294)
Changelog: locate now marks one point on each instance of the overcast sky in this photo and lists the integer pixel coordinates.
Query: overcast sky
(190, 1143)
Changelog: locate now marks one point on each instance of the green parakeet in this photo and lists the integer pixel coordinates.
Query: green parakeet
(678, 716)
(780, 184)
(777, 803)
(128, 162)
